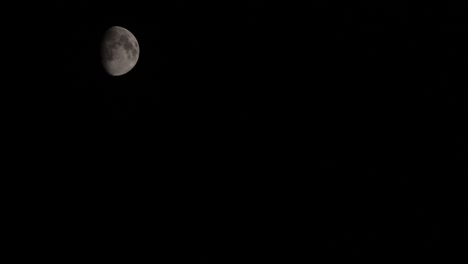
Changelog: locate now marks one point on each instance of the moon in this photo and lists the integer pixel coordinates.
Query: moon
(119, 51)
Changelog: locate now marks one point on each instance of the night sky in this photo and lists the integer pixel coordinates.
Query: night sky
(252, 131)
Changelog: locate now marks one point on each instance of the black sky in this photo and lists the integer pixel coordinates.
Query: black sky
(269, 125)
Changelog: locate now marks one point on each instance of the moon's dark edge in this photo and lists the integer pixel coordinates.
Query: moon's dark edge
(109, 43)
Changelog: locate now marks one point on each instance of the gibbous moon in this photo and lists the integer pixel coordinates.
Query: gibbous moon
(119, 51)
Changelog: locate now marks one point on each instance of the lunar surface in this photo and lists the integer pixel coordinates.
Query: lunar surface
(119, 51)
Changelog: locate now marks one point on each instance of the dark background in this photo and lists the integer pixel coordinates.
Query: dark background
(250, 130)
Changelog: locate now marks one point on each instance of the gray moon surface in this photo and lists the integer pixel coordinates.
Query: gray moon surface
(119, 51)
